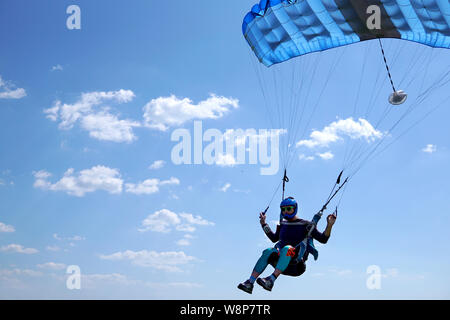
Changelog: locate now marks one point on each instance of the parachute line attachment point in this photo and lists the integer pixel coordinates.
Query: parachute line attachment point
(397, 97)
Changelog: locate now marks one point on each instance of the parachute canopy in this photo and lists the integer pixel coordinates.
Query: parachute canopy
(278, 30)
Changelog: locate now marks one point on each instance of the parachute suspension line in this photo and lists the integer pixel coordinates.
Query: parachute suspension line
(285, 179)
(371, 155)
(336, 60)
(367, 152)
(348, 150)
(277, 104)
(303, 103)
(334, 192)
(290, 112)
(261, 86)
(422, 96)
(273, 196)
(386, 64)
(411, 127)
(338, 181)
(437, 84)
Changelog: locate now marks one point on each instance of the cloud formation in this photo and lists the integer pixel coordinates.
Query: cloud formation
(17, 248)
(158, 164)
(225, 187)
(326, 155)
(166, 261)
(86, 181)
(101, 124)
(165, 112)
(429, 148)
(165, 221)
(58, 67)
(149, 186)
(52, 266)
(6, 228)
(95, 179)
(337, 130)
(8, 90)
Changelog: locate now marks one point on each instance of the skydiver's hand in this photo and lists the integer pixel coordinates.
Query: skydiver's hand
(262, 218)
(331, 219)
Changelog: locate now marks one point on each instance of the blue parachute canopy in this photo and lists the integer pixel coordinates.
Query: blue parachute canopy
(278, 30)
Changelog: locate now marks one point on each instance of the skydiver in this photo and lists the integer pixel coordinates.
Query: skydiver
(288, 235)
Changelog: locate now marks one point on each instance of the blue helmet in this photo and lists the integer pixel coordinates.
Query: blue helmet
(289, 202)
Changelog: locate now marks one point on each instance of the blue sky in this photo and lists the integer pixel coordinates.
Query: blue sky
(80, 131)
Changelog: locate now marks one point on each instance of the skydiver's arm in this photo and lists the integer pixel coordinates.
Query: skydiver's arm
(274, 237)
(323, 237)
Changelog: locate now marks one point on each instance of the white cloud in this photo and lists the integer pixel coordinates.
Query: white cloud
(186, 240)
(165, 220)
(430, 148)
(6, 228)
(97, 178)
(106, 126)
(225, 187)
(326, 155)
(158, 164)
(7, 91)
(58, 67)
(100, 280)
(225, 160)
(101, 125)
(52, 266)
(160, 221)
(241, 138)
(88, 180)
(73, 238)
(183, 242)
(53, 248)
(341, 272)
(188, 285)
(166, 261)
(197, 220)
(334, 132)
(17, 248)
(165, 112)
(149, 186)
(305, 157)
(20, 272)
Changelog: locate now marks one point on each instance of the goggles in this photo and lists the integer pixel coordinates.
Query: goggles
(287, 209)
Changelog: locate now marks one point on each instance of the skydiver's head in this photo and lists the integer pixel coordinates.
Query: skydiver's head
(289, 208)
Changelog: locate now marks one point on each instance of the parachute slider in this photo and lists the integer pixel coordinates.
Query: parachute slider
(397, 97)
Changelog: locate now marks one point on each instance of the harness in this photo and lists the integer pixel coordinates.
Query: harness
(307, 244)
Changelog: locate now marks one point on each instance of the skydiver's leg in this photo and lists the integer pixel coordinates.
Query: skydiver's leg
(263, 262)
(259, 268)
(286, 255)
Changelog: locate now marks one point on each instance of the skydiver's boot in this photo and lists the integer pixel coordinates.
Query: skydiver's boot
(246, 286)
(266, 283)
